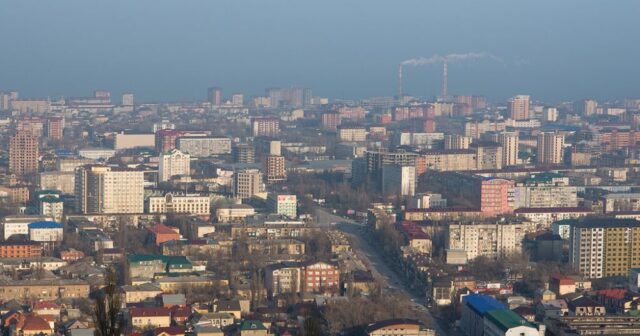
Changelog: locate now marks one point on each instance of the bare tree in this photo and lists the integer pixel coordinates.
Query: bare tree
(107, 307)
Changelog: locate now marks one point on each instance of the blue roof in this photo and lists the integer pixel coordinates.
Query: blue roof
(482, 303)
(45, 225)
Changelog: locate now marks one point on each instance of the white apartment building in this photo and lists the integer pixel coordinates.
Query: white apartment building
(204, 146)
(173, 163)
(109, 190)
(493, 240)
(286, 205)
(399, 179)
(189, 204)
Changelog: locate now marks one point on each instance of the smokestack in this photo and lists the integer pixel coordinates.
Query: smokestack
(445, 79)
(400, 82)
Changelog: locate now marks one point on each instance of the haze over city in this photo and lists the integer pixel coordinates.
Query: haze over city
(169, 50)
(319, 168)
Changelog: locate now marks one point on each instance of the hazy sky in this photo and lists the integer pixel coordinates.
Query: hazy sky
(173, 50)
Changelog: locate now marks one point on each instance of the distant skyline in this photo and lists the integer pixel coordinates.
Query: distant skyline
(167, 50)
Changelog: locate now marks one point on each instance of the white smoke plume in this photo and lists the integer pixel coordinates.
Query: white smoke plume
(451, 58)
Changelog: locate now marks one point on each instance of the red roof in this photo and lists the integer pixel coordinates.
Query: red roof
(45, 305)
(412, 231)
(173, 330)
(554, 210)
(563, 280)
(149, 311)
(34, 322)
(180, 311)
(616, 293)
(163, 229)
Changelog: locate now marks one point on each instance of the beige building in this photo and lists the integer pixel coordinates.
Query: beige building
(399, 327)
(70, 164)
(550, 148)
(23, 153)
(494, 240)
(189, 204)
(282, 278)
(456, 141)
(103, 189)
(234, 213)
(143, 318)
(173, 163)
(248, 183)
(450, 160)
(62, 181)
(519, 107)
(509, 143)
(49, 289)
(127, 141)
(352, 134)
(141, 293)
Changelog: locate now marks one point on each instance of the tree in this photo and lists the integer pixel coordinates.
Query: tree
(107, 307)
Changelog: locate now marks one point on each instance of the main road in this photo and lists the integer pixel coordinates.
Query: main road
(373, 257)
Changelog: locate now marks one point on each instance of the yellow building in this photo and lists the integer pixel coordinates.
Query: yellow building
(604, 247)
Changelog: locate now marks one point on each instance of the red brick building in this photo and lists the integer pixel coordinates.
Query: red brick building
(162, 233)
(166, 139)
(20, 250)
(320, 277)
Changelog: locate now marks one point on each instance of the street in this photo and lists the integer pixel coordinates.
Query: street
(374, 258)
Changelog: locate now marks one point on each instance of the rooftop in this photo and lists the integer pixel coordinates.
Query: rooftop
(506, 319)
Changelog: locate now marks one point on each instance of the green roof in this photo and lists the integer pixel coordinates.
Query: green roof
(252, 325)
(173, 261)
(506, 319)
(543, 177)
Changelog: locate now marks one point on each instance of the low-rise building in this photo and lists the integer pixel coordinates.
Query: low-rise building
(183, 204)
(151, 317)
(399, 327)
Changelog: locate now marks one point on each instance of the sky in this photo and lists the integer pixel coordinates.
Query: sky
(172, 50)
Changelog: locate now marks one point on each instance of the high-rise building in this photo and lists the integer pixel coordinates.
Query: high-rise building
(604, 247)
(266, 126)
(456, 141)
(247, 183)
(275, 169)
(496, 196)
(331, 120)
(127, 99)
(490, 239)
(214, 96)
(243, 153)
(23, 153)
(237, 99)
(281, 204)
(173, 163)
(103, 189)
(550, 148)
(55, 127)
(509, 142)
(375, 160)
(398, 180)
(519, 107)
(586, 107)
(550, 114)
